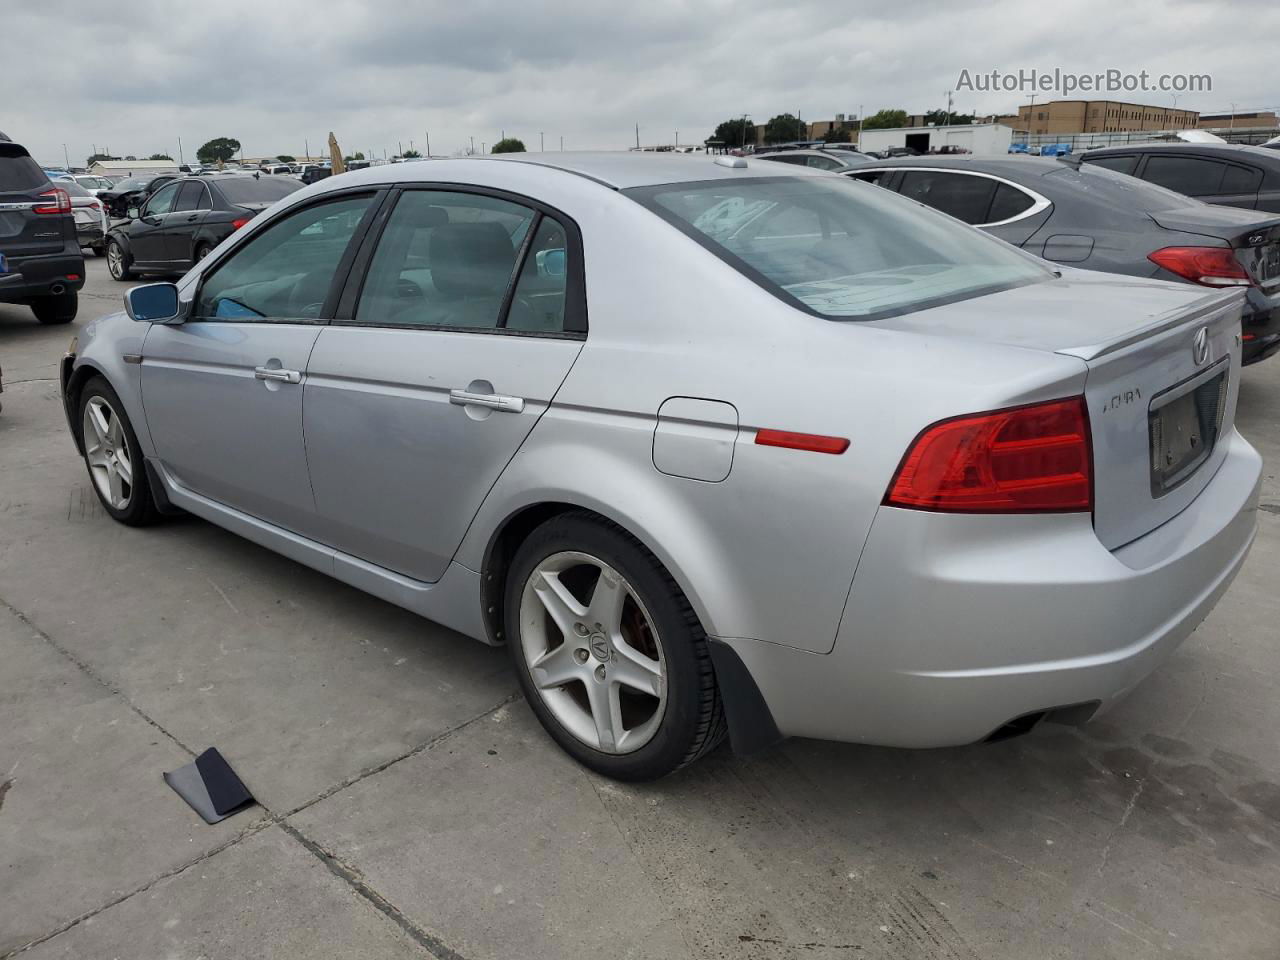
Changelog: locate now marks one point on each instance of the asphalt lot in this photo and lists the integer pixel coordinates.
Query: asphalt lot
(412, 806)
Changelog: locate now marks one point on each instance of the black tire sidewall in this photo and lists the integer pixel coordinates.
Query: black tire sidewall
(56, 308)
(678, 633)
(141, 508)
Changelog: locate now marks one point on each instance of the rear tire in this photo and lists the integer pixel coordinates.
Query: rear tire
(58, 308)
(677, 721)
(202, 251)
(119, 263)
(111, 453)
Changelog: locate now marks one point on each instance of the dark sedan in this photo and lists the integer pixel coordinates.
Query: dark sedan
(837, 161)
(1089, 217)
(132, 192)
(181, 222)
(1228, 174)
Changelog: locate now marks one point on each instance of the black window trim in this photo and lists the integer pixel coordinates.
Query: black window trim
(1040, 203)
(575, 302)
(378, 193)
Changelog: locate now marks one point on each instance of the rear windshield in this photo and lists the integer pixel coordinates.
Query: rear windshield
(265, 190)
(133, 183)
(1122, 190)
(18, 171)
(838, 248)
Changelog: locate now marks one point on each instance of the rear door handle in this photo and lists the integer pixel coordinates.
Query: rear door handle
(491, 401)
(275, 373)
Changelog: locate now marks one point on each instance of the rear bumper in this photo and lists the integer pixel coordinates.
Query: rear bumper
(90, 234)
(1260, 326)
(957, 625)
(38, 276)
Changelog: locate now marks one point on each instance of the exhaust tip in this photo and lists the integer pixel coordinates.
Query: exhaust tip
(58, 289)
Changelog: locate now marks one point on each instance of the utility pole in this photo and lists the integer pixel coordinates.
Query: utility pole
(542, 141)
(1232, 125)
(677, 139)
(428, 133)
(473, 146)
(482, 148)
(860, 112)
(66, 159)
(562, 143)
(306, 146)
(181, 158)
(946, 121)
(1030, 113)
(637, 136)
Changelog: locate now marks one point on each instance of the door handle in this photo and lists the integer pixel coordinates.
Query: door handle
(491, 401)
(275, 373)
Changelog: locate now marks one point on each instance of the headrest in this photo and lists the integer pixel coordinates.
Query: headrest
(471, 259)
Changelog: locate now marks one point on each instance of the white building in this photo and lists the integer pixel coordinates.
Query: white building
(132, 168)
(980, 138)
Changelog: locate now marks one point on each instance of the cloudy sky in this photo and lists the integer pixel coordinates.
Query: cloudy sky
(137, 75)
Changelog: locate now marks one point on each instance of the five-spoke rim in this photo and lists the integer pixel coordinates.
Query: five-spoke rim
(593, 652)
(107, 451)
(115, 259)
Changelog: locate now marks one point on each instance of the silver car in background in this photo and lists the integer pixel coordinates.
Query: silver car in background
(710, 445)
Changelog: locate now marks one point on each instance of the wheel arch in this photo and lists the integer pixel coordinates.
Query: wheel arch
(83, 372)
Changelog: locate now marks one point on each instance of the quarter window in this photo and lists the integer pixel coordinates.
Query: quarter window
(191, 197)
(447, 259)
(1121, 164)
(1008, 203)
(1241, 180)
(965, 198)
(286, 270)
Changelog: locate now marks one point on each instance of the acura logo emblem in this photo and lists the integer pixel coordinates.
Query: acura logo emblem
(1200, 346)
(599, 646)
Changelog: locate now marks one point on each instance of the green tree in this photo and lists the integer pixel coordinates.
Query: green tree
(735, 133)
(159, 156)
(885, 119)
(784, 128)
(95, 157)
(837, 135)
(942, 118)
(218, 150)
(286, 158)
(508, 145)
(411, 154)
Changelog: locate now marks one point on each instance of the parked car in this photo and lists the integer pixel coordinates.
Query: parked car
(1229, 174)
(1090, 217)
(183, 220)
(90, 217)
(1272, 144)
(88, 181)
(642, 417)
(41, 265)
(835, 161)
(276, 169)
(312, 174)
(132, 192)
(1055, 150)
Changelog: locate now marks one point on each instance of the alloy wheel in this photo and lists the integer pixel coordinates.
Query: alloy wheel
(107, 451)
(593, 652)
(115, 260)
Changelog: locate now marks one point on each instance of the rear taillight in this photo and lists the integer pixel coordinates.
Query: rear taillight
(95, 205)
(239, 222)
(59, 202)
(1022, 460)
(1210, 266)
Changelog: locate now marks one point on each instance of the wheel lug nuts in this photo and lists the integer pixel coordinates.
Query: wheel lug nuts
(600, 672)
(581, 654)
(580, 629)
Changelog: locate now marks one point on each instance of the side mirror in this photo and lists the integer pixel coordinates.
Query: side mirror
(154, 303)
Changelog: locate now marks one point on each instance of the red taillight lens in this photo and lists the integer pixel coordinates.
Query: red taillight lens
(239, 222)
(95, 205)
(1209, 266)
(60, 202)
(815, 443)
(1022, 460)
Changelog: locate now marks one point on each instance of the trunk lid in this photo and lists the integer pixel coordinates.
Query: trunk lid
(24, 233)
(1255, 237)
(1150, 387)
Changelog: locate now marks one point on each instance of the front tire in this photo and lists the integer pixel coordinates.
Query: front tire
(113, 457)
(119, 263)
(57, 308)
(608, 651)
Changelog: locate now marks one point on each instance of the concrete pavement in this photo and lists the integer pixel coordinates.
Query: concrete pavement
(413, 807)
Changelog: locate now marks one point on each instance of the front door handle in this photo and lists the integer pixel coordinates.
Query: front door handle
(275, 373)
(490, 401)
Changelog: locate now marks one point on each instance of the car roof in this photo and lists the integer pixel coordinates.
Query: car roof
(1013, 165)
(1224, 150)
(620, 170)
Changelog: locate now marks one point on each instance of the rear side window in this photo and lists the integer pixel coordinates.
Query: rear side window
(1008, 203)
(837, 249)
(1121, 164)
(444, 260)
(1192, 176)
(1241, 180)
(191, 197)
(18, 172)
(965, 198)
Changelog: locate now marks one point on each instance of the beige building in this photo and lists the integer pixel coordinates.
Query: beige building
(1098, 116)
(1254, 118)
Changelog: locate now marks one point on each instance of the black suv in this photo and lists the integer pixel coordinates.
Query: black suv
(40, 260)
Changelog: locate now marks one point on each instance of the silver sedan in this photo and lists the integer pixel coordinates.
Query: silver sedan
(711, 445)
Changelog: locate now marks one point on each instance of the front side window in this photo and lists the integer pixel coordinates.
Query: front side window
(444, 260)
(161, 201)
(285, 271)
(838, 249)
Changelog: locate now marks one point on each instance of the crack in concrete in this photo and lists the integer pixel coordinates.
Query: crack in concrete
(354, 879)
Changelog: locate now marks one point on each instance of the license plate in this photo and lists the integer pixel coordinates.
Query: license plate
(1269, 268)
(1183, 432)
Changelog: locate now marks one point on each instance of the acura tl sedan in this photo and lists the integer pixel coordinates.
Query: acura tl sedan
(712, 446)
